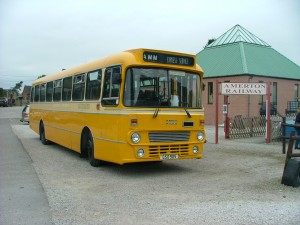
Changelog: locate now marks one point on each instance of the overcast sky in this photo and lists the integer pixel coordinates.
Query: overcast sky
(43, 36)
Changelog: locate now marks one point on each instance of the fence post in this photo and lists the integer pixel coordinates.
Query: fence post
(283, 134)
(251, 127)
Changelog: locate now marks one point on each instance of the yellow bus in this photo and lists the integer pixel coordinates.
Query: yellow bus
(135, 106)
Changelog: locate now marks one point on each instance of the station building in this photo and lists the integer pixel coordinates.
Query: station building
(238, 56)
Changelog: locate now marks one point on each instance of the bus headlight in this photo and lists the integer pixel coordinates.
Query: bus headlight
(140, 152)
(135, 137)
(195, 149)
(200, 136)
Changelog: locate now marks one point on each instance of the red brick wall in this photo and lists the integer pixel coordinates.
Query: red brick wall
(247, 105)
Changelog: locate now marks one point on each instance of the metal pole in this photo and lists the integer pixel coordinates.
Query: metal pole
(268, 107)
(217, 112)
(227, 124)
(283, 134)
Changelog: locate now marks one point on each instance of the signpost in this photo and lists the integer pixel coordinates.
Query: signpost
(242, 89)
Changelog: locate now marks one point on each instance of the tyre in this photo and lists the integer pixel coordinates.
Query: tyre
(90, 152)
(291, 174)
(43, 135)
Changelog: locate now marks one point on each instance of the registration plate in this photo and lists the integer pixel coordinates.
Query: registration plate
(166, 157)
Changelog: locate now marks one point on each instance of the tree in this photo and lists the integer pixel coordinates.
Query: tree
(209, 42)
(16, 89)
(1, 92)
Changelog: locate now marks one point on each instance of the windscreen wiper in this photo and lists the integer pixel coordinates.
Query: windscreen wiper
(155, 113)
(187, 113)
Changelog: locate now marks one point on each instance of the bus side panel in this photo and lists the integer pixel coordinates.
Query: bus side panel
(34, 120)
(57, 128)
(77, 124)
(107, 151)
(110, 132)
(75, 141)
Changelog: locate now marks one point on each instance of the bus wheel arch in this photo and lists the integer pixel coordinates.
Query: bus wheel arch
(87, 147)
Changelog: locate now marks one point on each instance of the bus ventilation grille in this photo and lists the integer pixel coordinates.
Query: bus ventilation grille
(169, 136)
(181, 150)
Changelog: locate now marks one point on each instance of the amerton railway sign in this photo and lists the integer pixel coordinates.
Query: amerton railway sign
(243, 88)
(228, 88)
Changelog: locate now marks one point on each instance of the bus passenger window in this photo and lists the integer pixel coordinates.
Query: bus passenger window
(37, 93)
(112, 80)
(67, 88)
(49, 91)
(93, 85)
(78, 88)
(57, 90)
(32, 94)
(42, 92)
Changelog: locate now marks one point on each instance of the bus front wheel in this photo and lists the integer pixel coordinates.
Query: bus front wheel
(90, 152)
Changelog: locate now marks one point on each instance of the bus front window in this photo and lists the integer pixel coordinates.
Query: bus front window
(146, 87)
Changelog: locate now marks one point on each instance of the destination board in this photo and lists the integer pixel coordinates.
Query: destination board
(163, 58)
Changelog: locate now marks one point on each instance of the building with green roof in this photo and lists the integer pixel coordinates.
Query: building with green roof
(240, 56)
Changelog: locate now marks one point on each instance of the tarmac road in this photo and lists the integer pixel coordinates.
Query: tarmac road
(22, 197)
(237, 182)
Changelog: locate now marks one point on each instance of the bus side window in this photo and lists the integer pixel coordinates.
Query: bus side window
(57, 90)
(49, 91)
(112, 80)
(32, 94)
(37, 93)
(42, 92)
(93, 85)
(67, 89)
(78, 88)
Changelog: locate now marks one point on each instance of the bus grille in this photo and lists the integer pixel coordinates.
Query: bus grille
(169, 136)
(156, 151)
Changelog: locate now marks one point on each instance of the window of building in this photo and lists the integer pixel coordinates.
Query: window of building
(210, 92)
(274, 94)
(261, 97)
(296, 92)
(93, 85)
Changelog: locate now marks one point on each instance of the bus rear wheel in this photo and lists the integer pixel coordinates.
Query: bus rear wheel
(90, 152)
(43, 135)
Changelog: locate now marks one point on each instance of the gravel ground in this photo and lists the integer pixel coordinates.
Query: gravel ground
(237, 182)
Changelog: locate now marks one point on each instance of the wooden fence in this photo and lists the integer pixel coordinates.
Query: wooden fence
(276, 128)
(241, 127)
(247, 127)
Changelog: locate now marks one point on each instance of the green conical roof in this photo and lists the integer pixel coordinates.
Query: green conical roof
(239, 52)
(238, 34)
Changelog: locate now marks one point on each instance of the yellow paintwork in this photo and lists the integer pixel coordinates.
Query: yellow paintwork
(110, 126)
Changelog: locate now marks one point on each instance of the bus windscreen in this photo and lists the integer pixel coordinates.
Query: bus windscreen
(150, 87)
